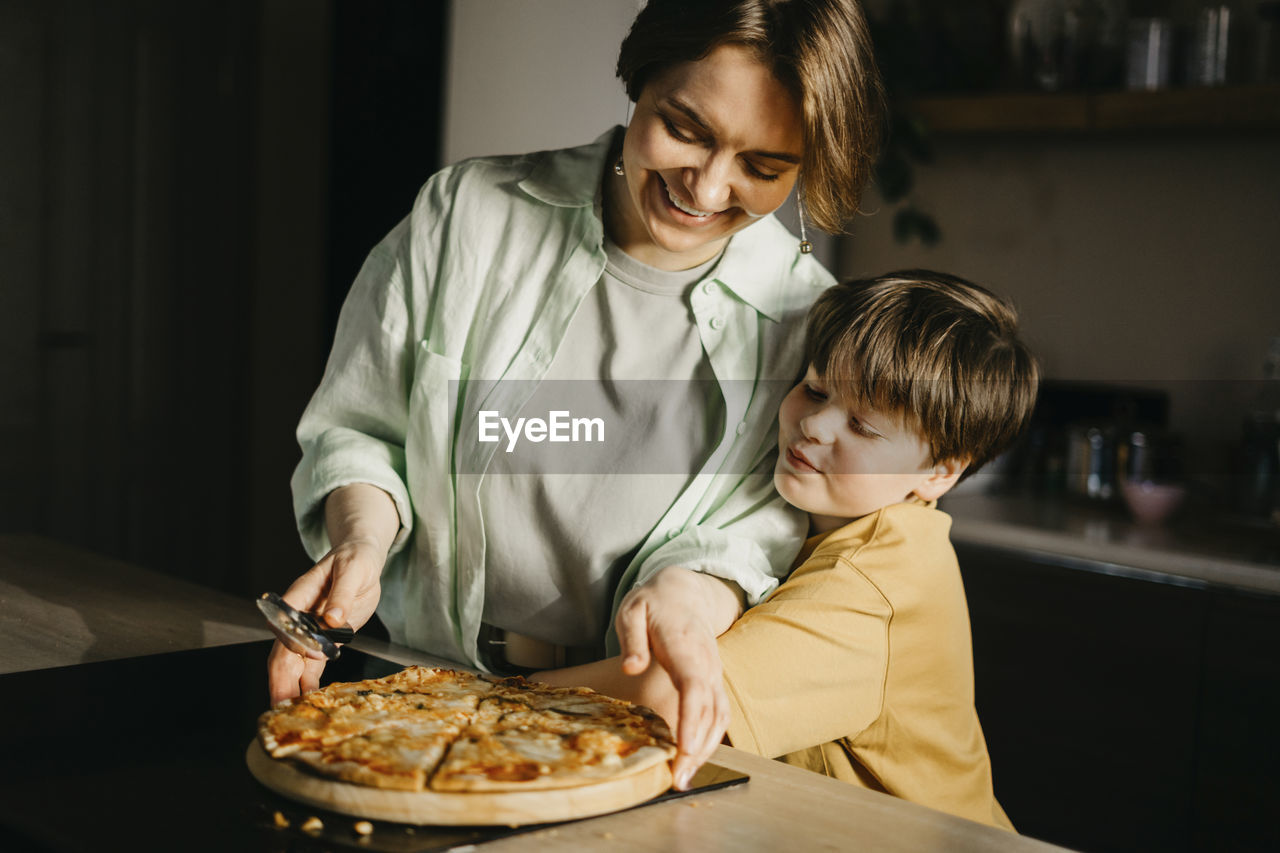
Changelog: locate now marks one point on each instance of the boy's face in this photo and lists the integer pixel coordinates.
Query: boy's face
(838, 463)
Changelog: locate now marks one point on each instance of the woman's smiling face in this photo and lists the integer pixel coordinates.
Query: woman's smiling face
(713, 146)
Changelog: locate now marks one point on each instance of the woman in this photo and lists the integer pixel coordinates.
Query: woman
(648, 255)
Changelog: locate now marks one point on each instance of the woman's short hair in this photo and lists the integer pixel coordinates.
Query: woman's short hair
(820, 49)
(937, 350)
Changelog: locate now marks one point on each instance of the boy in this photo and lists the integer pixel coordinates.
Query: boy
(860, 664)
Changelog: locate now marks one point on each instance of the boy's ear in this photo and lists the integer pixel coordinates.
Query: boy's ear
(945, 474)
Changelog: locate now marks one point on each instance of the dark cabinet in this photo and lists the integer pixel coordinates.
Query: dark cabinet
(1125, 714)
(1237, 784)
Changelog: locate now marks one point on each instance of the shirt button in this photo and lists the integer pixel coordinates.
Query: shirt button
(716, 323)
(673, 533)
(742, 428)
(709, 287)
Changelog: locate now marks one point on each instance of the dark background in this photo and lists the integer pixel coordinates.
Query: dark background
(186, 192)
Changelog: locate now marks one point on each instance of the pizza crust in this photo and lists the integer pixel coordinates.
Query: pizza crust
(641, 760)
(474, 808)
(426, 729)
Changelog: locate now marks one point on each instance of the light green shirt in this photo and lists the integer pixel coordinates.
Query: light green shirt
(474, 291)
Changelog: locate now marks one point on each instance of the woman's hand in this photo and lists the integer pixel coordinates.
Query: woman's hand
(344, 586)
(673, 619)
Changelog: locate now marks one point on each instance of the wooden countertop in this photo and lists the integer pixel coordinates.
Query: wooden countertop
(61, 606)
(1187, 551)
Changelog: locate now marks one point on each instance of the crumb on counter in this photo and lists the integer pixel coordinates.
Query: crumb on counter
(363, 827)
(313, 824)
(280, 820)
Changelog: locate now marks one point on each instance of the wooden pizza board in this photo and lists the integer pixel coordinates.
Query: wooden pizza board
(511, 808)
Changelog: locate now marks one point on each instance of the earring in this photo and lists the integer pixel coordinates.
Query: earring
(617, 167)
(805, 246)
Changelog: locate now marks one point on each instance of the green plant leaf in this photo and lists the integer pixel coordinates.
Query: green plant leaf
(912, 136)
(903, 225)
(927, 229)
(910, 223)
(893, 176)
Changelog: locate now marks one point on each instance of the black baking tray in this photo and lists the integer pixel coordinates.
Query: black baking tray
(148, 754)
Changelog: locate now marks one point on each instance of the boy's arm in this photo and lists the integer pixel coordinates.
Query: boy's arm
(667, 628)
(805, 667)
(651, 688)
(673, 621)
(808, 665)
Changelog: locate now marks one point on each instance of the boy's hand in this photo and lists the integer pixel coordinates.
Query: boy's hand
(673, 619)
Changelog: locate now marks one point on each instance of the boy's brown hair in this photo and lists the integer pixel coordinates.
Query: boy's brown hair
(937, 350)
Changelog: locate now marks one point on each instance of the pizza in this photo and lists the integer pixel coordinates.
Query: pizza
(427, 729)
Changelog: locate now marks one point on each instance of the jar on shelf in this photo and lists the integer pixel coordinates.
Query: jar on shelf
(1067, 44)
(1149, 55)
(1037, 43)
(1217, 44)
(1099, 27)
(1267, 50)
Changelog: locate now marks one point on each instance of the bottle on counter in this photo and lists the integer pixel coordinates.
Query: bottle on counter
(1260, 448)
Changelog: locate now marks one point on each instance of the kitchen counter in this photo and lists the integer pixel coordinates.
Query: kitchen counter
(60, 606)
(1100, 537)
(1127, 676)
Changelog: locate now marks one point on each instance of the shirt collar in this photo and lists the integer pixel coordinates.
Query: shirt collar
(757, 266)
(861, 530)
(570, 177)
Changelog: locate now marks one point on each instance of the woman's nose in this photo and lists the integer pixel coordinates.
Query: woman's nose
(709, 183)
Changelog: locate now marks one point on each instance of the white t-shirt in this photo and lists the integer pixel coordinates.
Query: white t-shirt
(562, 520)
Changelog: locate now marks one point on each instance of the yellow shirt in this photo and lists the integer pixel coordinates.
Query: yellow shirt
(860, 666)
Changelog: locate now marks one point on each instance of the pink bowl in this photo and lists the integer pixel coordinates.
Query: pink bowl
(1152, 503)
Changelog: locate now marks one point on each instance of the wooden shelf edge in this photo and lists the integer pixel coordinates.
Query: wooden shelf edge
(1004, 112)
(1201, 109)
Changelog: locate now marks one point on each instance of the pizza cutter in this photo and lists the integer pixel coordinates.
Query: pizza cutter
(303, 633)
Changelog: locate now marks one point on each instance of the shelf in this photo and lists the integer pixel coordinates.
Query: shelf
(1203, 109)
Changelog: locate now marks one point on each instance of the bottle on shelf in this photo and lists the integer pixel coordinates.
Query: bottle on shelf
(1149, 48)
(1215, 49)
